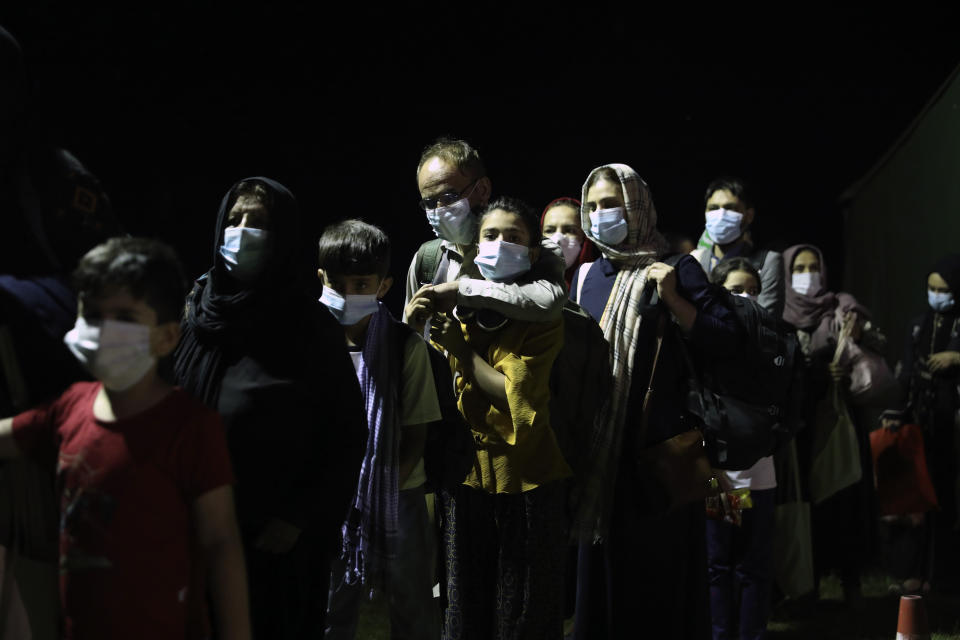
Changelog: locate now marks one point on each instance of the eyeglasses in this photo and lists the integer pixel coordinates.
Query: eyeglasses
(447, 198)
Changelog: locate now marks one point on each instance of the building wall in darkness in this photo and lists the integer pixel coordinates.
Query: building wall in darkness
(905, 214)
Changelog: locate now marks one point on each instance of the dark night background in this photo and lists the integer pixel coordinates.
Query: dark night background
(170, 105)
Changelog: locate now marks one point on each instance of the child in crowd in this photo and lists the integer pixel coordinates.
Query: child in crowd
(740, 558)
(386, 538)
(143, 468)
(505, 527)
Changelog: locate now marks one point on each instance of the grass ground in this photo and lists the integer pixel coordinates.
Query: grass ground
(827, 619)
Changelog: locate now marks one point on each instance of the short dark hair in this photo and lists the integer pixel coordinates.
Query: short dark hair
(736, 186)
(148, 269)
(459, 153)
(728, 266)
(520, 208)
(354, 247)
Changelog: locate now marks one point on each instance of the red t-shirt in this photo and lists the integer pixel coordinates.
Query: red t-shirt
(127, 490)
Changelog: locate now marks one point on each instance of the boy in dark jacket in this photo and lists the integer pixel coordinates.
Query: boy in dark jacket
(387, 542)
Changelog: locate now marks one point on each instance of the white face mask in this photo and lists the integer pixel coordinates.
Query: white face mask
(806, 283)
(454, 222)
(609, 226)
(569, 246)
(351, 308)
(940, 301)
(500, 261)
(116, 353)
(243, 251)
(723, 225)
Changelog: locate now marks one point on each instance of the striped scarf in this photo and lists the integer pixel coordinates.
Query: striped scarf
(621, 318)
(371, 529)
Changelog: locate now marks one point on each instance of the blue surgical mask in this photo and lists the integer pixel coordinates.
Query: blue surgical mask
(502, 261)
(244, 252)
(940, 301)
(806, 284)
(724, 225)
(609, 226)
(349, 309)
(454, 222)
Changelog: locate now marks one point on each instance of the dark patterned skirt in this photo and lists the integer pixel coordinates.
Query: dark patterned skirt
(504, 561)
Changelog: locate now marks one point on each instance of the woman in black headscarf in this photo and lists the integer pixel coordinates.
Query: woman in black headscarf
(929, 376)
(257, 348)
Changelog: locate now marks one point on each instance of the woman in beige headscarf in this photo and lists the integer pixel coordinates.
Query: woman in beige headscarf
(652, 564)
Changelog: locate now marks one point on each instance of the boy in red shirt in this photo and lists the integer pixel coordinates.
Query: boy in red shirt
(142, 468)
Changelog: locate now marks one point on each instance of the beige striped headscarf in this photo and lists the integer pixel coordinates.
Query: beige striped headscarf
(621, 318)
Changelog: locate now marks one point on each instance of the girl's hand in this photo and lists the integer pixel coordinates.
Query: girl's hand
(445, 331)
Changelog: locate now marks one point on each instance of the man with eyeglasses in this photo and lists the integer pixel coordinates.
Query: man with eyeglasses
(454, 189)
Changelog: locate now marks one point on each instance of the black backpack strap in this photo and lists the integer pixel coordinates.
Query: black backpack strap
(428, 258)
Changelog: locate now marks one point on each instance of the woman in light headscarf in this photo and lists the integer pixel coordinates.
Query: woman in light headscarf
(842, 523)
(650, 572)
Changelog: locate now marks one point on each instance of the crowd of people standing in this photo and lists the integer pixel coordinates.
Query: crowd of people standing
(255, 454)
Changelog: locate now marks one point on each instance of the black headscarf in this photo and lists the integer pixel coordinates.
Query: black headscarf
(272, 360)
(264, 319)
(949, 269)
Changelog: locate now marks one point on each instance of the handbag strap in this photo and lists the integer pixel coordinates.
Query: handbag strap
(693, 379)
(581, 276)
(645, 413)
(795, 463)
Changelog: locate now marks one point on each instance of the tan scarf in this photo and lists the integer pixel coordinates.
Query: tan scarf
(621, 318)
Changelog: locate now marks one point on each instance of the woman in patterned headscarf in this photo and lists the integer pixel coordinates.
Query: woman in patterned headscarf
(653, 567)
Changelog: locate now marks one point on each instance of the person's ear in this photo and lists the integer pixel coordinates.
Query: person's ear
(164, 338)
(747, 219)
(385, 285)
(534, 254)
(481, 193)
(320, 275)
